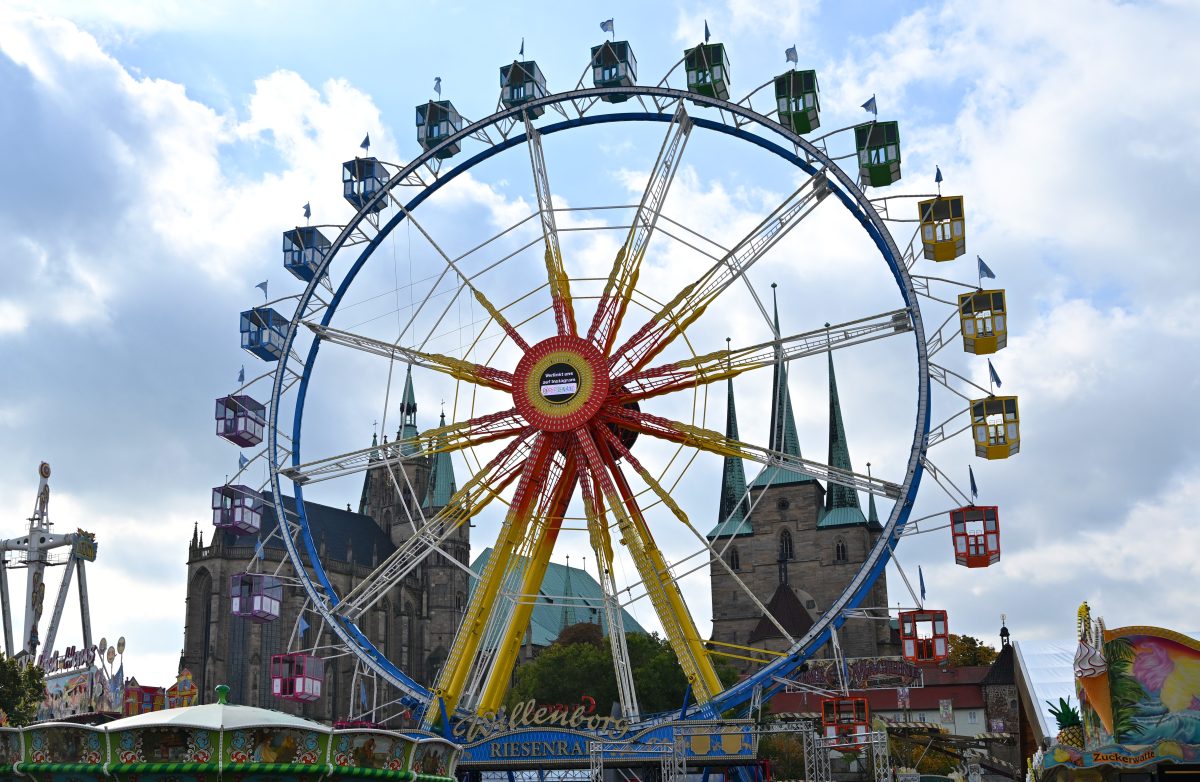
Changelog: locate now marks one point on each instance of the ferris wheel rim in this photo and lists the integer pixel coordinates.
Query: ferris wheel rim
(766, 679)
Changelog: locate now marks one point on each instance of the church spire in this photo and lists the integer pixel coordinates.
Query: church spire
(783, 421)
(408, 417)
(442, 485)
(838, 496)
(731, 511)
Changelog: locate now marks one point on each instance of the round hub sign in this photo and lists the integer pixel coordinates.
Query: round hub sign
(559, 383)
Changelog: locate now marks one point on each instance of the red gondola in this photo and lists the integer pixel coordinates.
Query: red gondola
(976, 533)
(848, 719)
(924, 636)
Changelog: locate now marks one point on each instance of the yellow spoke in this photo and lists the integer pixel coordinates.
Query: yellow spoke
(467, 640)
(622, 281)
(476, 374)
(656, 576)
(560, 285)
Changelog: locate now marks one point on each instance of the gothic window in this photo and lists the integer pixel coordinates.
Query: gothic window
(735, 561)
(459, 602)
(839, 550)
(199, 623)
(785, 546)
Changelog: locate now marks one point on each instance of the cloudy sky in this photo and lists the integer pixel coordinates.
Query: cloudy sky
(153, 152)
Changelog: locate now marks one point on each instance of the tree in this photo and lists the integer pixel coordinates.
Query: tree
(22, 690)
(968, 650)
(579, 663)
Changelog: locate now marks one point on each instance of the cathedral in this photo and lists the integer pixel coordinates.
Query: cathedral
(413, 624)
(794, 543)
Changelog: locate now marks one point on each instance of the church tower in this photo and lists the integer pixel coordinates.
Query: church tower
(393, 492)
(793, 543)
(446, 571)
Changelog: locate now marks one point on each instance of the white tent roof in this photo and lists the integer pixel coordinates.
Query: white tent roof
(214, 716)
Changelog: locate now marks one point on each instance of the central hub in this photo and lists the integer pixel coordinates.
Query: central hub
(560, 383)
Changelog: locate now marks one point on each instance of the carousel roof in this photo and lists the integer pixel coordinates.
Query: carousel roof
(216, 716)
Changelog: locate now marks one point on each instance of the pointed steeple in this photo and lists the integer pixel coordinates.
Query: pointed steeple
(408, 417)
(731, 511)
(783, 421)
(838, 496)
(842, 506)
(364, 500)
(568, 612)
(442, 485)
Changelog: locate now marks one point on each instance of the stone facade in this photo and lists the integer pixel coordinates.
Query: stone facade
(413, 625)
(793, 543)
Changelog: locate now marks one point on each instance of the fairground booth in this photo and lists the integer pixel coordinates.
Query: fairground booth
(219, 741)
(1135, 714)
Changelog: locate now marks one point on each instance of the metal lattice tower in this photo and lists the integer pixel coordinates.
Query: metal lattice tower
(33, 551)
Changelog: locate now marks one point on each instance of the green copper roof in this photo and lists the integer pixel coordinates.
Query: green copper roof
(441, 479)
(731, 512)
(408, 417)
(872, 514)
(838, 496)
(783, 424)
(549, 611)
(842, 507)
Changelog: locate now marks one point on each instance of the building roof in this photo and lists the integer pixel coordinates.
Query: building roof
(788, 611)
(408, 417)
(566, 594)
(216, 716)
(442, 485)
(345, 534)
(731, 511)
(783, 424)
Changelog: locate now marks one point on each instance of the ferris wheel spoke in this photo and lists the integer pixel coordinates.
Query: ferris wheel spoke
(627, 265)
(555, 494)
(560, 285)
(477, 374)
(615, 443)
(717, 443)
(691, 302)
(442, 439)
(731, 362)
(451, 681)
(466, 503)
(601, 543)
(653, 569)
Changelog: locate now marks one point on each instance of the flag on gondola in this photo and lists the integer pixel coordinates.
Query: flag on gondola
(707, 34)
(974, 487)
(303, 625)
(307, 210)
(362, 695)
(522, 52)
(258, 549)
(992, 374)
(607, 25)
(242, 461)
(871, 107)
(921, 578)
(242, 374)
(366, 143)
(984, 271)
(789, 54)
(437, 85)
(937, 177)
(262, 286)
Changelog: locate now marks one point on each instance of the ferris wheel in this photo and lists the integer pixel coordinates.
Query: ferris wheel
(581, 343)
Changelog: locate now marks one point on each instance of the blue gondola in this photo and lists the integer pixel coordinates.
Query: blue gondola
(613, 65)
(521, 83)
(304, 247)
(362, 178)
(263, 330)
(436, 120)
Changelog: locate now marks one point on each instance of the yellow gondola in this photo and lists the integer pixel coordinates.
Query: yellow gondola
(984, 318)
(996, 427)
(943, 234)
